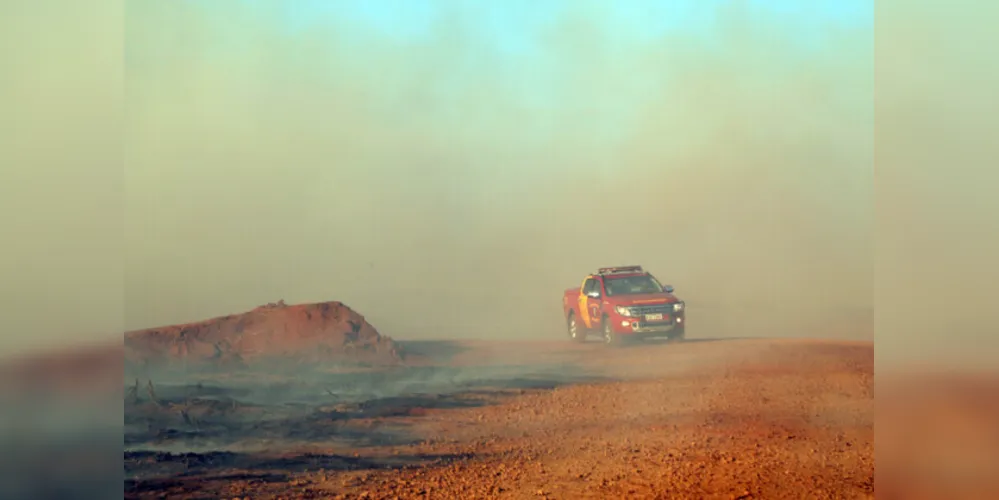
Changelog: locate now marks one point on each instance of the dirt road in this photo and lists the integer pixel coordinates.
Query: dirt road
(701, 419)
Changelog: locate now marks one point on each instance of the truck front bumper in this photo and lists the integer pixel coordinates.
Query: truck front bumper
(626, 326)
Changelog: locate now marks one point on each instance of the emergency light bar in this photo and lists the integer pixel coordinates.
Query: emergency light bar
(620, 269)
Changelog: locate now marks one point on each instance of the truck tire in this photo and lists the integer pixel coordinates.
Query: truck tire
(609, 336)
(575, 333)
(676, 335)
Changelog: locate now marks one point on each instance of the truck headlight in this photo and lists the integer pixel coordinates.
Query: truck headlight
(623, 311)
(678, 307)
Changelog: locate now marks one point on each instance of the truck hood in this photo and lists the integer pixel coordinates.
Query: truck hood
(644, 299)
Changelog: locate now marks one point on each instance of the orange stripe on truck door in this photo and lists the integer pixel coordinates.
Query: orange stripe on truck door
(582, 309)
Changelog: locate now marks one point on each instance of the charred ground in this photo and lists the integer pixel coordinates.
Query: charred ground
(706, 419)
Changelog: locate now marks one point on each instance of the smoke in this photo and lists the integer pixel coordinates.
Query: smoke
(445, 184)
(937, 216)
(937, 226)
(60, 174)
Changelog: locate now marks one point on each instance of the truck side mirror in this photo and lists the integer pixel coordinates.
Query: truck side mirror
(668, 288)
(594, 294)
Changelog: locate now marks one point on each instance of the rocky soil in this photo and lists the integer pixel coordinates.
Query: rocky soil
(701, 419)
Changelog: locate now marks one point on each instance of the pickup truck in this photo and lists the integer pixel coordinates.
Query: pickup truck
(623, 303)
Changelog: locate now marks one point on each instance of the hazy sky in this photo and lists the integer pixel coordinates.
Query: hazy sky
(447, 170)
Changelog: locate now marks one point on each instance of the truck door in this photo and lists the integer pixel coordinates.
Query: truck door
(584, 302)
(591, 288)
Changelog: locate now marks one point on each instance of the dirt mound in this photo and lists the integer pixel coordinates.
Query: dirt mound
(325, 332)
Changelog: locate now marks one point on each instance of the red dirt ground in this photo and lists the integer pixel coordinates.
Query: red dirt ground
(707, 418)
(701, 419)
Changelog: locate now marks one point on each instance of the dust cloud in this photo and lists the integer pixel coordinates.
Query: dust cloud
(938, 217)
(60, 174)
(446, 186)
(937, 227)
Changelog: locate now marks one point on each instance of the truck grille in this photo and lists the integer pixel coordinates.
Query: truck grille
(656, 309)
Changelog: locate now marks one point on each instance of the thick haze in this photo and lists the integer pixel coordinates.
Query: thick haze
(938, 212)
(446, 183)
(60, 174)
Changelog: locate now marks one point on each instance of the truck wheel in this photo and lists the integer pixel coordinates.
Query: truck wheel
(575, 334)
(610, 338)
(676, 336)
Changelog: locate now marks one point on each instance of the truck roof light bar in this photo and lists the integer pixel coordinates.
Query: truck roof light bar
(619, 269)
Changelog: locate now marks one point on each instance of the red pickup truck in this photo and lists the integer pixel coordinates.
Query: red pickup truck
(622, 303)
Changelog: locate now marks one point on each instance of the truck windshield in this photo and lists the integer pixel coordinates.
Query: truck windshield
(632, 285)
